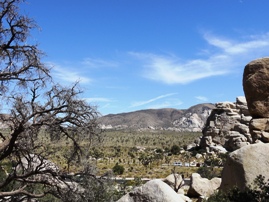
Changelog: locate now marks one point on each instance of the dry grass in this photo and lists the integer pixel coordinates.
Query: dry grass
(119, 146)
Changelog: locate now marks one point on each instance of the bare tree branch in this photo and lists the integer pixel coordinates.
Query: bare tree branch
(20, 62)
(40, 112)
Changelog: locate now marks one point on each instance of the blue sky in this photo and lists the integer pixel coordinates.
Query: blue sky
(139, 54)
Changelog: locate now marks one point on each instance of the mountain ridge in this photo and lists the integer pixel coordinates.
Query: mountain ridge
(191, 119)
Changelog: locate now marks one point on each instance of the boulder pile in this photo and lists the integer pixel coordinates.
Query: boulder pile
(227, 127)
(245, 164)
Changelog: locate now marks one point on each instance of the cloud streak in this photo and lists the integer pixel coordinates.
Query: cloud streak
(97, 99)
(68, 75)
(97, 63)
(222, 58)
(201, 98)
(170, 70)
(166, 104)
(233, 48)
(141, 103)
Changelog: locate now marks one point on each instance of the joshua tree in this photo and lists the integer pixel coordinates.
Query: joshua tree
(146, 159)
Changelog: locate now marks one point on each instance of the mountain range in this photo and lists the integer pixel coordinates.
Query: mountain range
(192, 119)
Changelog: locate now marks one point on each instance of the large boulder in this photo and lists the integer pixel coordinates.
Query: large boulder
(202, 186)
(244, 165)
(256, 87)
(154, 190)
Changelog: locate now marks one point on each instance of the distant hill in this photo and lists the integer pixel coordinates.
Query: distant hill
(192, 119)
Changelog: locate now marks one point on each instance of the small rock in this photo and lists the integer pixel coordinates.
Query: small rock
(203, 186)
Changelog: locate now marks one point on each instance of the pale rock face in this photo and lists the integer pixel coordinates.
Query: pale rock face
(256, 87)
(244, 165)
(192, 122)
(154, 190)
(203, 186)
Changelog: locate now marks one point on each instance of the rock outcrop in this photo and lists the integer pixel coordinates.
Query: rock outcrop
(193, 119)
(227, 127)
(202, 186)
(244, 165)
(154, 190)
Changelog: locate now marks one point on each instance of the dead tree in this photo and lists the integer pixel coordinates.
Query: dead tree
(38, 112)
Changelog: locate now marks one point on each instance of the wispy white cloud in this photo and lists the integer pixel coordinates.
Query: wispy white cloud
(234, 48)
(171, 103)
(97, 99)
(95, 63)
(69, 75)
(201, 98)
(171, 70)
(141, 103)
(223, 56)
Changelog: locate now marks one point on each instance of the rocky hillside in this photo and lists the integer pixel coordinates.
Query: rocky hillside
(192, 119)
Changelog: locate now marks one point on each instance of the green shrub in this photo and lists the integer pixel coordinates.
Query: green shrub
(118, 169)
(175, 149)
